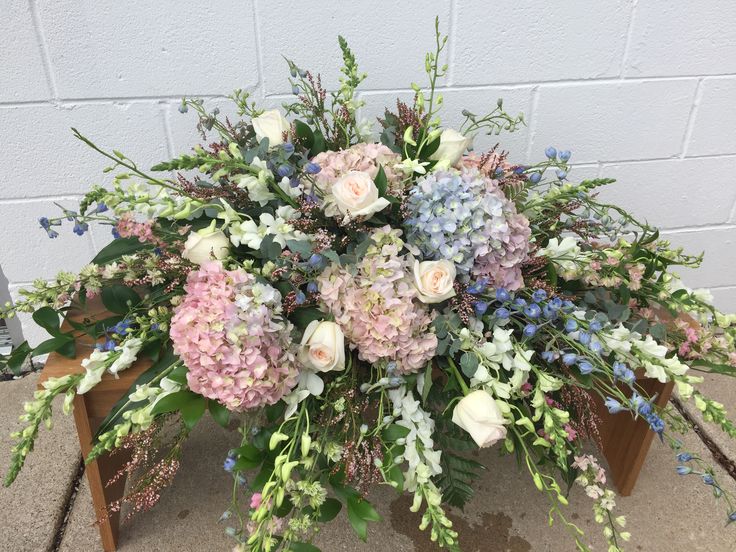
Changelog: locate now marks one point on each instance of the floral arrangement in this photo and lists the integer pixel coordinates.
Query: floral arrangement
(368, 312)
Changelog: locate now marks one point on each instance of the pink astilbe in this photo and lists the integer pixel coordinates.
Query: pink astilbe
(230, 334)
(377, 308)
(360, 157)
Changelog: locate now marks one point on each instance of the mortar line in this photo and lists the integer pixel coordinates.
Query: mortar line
(45, 54)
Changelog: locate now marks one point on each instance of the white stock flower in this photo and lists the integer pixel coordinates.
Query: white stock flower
(479, 415)
(452, 146)
(434, 280)
(272, 125)
(322, 347)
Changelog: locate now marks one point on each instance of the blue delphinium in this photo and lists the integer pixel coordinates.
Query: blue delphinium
(613, 406)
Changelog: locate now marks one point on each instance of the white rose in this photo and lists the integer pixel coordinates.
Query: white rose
(357, 195)
(451, 148)
(434, 280)
(323, 347)
(203, 245)
(479, 415)
(272, 125)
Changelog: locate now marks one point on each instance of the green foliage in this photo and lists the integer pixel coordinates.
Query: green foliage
(458, 472)
(117, 248)
(119, 299)
(115, 416)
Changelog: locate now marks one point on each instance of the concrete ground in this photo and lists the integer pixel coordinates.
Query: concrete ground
(666, 512)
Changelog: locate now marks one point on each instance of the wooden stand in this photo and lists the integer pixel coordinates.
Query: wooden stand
(625, 441)
(90, 410)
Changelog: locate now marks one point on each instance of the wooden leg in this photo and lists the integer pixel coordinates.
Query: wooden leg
(626, 441)
(99, 473)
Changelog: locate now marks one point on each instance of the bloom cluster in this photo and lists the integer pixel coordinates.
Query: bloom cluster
(373, 313)
(229, 333)
(378, 309)
(466, 218)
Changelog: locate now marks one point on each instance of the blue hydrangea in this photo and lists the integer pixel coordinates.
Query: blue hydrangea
(465, 218)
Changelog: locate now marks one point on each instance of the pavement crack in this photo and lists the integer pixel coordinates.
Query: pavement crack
(67, 508)
(716, 451)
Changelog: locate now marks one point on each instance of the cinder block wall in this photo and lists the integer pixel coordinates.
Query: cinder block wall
(640, 91)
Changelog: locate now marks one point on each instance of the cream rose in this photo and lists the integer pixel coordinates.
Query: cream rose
(434, 280)
(479, 415)
(323, 347)
(203, 245)
(356, 194)
(451, 148)
(272, 125)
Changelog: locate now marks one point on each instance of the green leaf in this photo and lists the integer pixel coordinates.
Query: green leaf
(48, 319)
(117, 248)
(14, 361)
(218, 412)
(363, 508)
(381, 181)
(249, 457)
(427, 382)
(394, 432)
(725, 369)
(116, 298)
(302, 547)
(275, 411)
(269, 249)
(166, 359)
(53, 344)
(179, 375)
(397, 476)
(469, 364)
(69, 349)
(304, 132)
(329, 510)
(193, 410)
(359, 525)
(174, 401)
(302, 316)
(319, 144)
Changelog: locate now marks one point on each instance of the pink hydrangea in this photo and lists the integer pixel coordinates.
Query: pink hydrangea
(377, 308)
(360, 157)
(229, 332)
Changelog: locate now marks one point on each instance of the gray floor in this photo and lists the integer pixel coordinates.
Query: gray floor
(666, 511)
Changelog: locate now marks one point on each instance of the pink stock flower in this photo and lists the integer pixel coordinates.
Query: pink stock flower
(229, 332)
(376, 307)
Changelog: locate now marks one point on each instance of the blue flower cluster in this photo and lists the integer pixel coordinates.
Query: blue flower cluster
(450, 216)
(640, 407)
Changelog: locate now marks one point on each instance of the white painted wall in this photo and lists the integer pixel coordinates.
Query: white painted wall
(641, 91)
